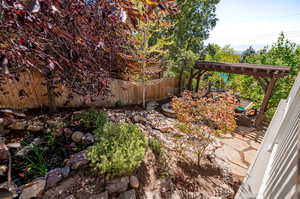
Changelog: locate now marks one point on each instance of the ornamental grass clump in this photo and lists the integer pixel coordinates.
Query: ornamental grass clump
(119, 149)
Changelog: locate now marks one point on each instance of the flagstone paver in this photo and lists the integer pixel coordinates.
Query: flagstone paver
(236, 143)
(237, 152)
(250, 156)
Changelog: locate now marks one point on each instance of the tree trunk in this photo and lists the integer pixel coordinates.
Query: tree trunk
(181, 80)
(191, 80)
(145, 47)
(51, 94)
(198, 82)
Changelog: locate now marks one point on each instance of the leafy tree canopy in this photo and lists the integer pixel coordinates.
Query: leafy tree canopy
(78, 43)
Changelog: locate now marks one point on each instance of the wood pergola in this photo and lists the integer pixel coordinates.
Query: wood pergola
(266, 75)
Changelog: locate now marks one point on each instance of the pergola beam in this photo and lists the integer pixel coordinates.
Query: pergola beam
(266, 75)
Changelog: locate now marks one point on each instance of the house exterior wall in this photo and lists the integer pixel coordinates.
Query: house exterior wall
(274, 173)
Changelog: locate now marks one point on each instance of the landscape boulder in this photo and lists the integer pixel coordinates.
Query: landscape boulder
(68, 132)
(78, 160)
(77, 136)
(131, 194)
(18, 125)
(53, 177)
(103, 195)
(35, 190)
(88, 139)
(134, 182)
(118, 185)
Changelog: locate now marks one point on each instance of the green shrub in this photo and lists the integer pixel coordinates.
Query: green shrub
(91, 118)
(156, 147)
(119, 149)
(36, 163)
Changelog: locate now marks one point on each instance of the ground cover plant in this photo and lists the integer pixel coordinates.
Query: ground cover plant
(120, 148)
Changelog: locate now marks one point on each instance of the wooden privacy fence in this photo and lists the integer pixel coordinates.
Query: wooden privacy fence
(123, 92)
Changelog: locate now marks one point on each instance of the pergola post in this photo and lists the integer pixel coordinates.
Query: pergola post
(268, 88)
(191, 79)
(200, 73)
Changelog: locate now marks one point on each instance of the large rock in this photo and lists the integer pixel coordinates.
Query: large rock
(35, 190)
(53, 177)
(117, 185)
(6, 194)
(11, 189)
(3, 170)
(4, 154)
(14, 145)
(103, 195)
(18, 125)
(68, 132)
(78, 160)
(88, 139)
(35, 128)
(128, 195)
(13, 113)
(134, 182)
(77, 136)
(70, 197)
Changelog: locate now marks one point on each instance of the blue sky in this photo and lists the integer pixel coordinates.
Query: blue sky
(255, 22)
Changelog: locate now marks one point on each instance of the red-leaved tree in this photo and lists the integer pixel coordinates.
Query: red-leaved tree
(77, 43)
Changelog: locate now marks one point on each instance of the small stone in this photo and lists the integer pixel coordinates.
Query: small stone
(5, 194)
(68, 132)
(11, 112)
(3, 131)
(37, 141)
(12, 189)
(15, 145)
(78, 160)
(139, 119)
(103, 195)
(65, 171)
(35, 128)
(24, 151)
(151, 106)
(117, 185)
(35, 190)
(3, 154)
(134, 182)
(53, 177)
(6, 122)
(128, 195)
(58, 132)
(51, 123)
(88, 139)
(70, 197)
(3, 170)
(77, 136)
(18, 125)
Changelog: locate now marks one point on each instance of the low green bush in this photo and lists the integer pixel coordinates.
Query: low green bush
(119, 149)
(156, 147)
(92, 118)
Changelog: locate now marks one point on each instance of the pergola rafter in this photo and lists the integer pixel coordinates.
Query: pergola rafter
(266, 75)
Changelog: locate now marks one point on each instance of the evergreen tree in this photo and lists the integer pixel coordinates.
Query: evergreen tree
(247, 53)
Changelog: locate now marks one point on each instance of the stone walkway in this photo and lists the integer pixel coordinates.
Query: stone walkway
(238, 150)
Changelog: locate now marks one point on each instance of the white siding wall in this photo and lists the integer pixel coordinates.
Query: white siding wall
(274, 173)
